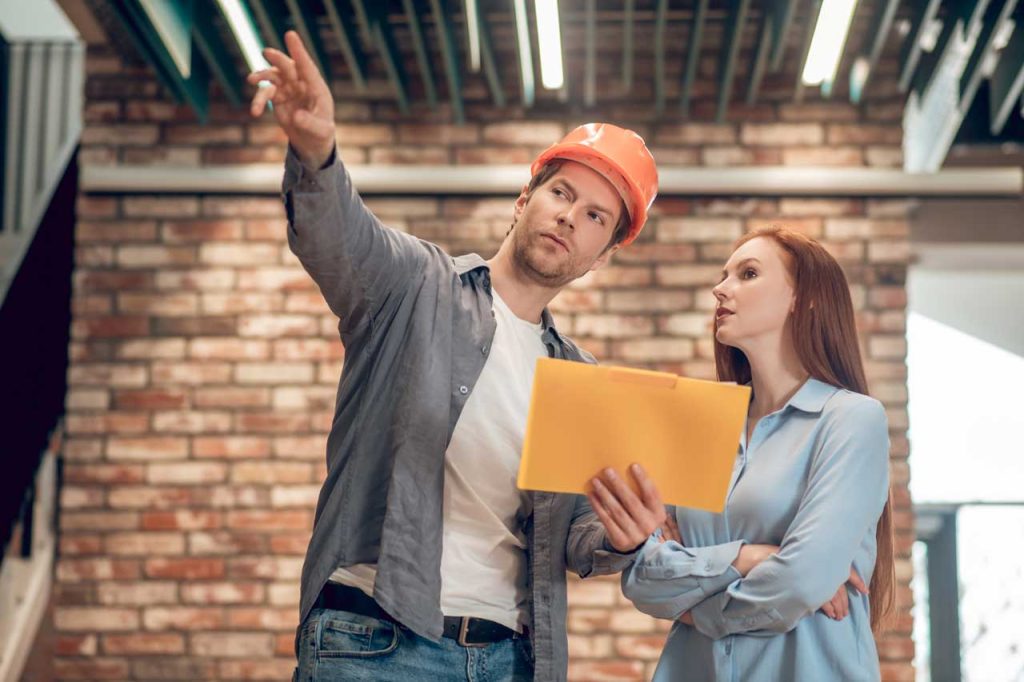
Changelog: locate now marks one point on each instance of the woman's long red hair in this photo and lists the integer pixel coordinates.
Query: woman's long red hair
(825, 336)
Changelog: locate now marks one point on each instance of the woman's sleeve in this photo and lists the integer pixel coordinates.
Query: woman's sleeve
(667, 579)
(846, 490)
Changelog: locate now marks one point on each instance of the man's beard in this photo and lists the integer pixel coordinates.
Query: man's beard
(525, 256)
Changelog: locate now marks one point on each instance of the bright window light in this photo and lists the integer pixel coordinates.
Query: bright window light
(245, 33)
(549, 37)
(827, 43)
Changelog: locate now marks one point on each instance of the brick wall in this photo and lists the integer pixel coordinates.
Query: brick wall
(204, 362)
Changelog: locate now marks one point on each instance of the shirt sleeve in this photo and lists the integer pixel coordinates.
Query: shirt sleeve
(357, 262)
(846, 490)
(587, 551)
(668, 579)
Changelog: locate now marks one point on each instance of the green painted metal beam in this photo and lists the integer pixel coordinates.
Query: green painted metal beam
(1007, 83)
(192, 90)
(524, 52)
(305, 24)
(489, 63)
(924, 12)
(878, 33)
(348, 40)
(590, 53)
(996, 14)
(380, 30)
(217, 56)
(444, 36)
(420, 48)
(693, 54)
(272, 19)
(627, 44)
(761, 55)
(660, 21)
(929, 63)
(805, 47)
(782, 12)
(730, 51)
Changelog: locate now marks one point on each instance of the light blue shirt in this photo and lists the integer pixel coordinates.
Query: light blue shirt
(813, 480)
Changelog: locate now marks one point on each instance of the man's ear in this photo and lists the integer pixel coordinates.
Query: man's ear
(602, 260)
(520, 203)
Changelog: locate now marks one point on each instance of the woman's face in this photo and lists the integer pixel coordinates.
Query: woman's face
(755, 296)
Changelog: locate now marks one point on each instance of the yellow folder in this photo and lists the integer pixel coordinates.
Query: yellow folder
(583, 418)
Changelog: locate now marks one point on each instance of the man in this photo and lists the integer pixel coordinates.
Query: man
(426, 561)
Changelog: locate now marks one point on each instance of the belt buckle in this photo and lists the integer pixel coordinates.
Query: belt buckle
(463, 631)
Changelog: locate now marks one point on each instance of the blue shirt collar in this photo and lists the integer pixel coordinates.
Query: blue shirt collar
(812, 396)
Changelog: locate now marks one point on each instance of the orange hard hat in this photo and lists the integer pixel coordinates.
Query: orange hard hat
(621, 156)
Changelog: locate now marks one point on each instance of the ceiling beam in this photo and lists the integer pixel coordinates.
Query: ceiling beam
(305, 25)
(997, 14)
(660, 21)
(524, 52)
(761, 55)
(878, 33)
(272, 21)
(590, 53)
(489, 63)
(419, 45)
(924, 13)
(348, 40)
(782, 20)
(444, 36)
(217, 57)
(693, 54)
(627, 44)
(733, 36)
(929, 62)
(1007, 83)
(380, 31)
(805, 48)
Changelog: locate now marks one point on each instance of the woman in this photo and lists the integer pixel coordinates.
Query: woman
(809, 495)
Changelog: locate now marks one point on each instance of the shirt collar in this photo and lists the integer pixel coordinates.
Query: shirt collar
(472, 261)
(812, 396)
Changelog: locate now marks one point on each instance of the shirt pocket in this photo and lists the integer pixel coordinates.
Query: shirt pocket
(351, 635)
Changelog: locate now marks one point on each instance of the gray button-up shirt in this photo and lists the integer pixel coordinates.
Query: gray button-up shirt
(417, 325)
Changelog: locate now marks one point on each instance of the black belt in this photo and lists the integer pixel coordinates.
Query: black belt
(465, 630)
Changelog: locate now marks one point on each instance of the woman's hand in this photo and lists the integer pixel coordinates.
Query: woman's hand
(838, 607)
(751, 555)
(670, 529)
(303, 104)
(628, 519)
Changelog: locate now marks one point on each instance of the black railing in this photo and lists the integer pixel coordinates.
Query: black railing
(35, 319)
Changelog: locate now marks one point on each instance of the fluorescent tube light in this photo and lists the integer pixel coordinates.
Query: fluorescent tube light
(827, 43)
(242, 27)
(549, 37)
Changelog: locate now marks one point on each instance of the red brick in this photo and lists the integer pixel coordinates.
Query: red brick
(151, 399)
(182, 618)
(270, 520)
(76, 645)
(141, 544)
(90, 669)
(231, 396)
(105, 568)
(186, 473)
(135, 497)
(144, 643)
(95, 619)
(223, 593)
(147, 448)
(110, 327)
(231, 447)
(115, 231)
(185, 568)
(181, 519)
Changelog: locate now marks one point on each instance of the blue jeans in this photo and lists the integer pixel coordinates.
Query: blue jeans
(338, 645)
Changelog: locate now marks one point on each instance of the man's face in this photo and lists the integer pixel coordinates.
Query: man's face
(562, 229)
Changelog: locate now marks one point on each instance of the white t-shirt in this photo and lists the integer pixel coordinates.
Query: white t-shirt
(483, 558)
